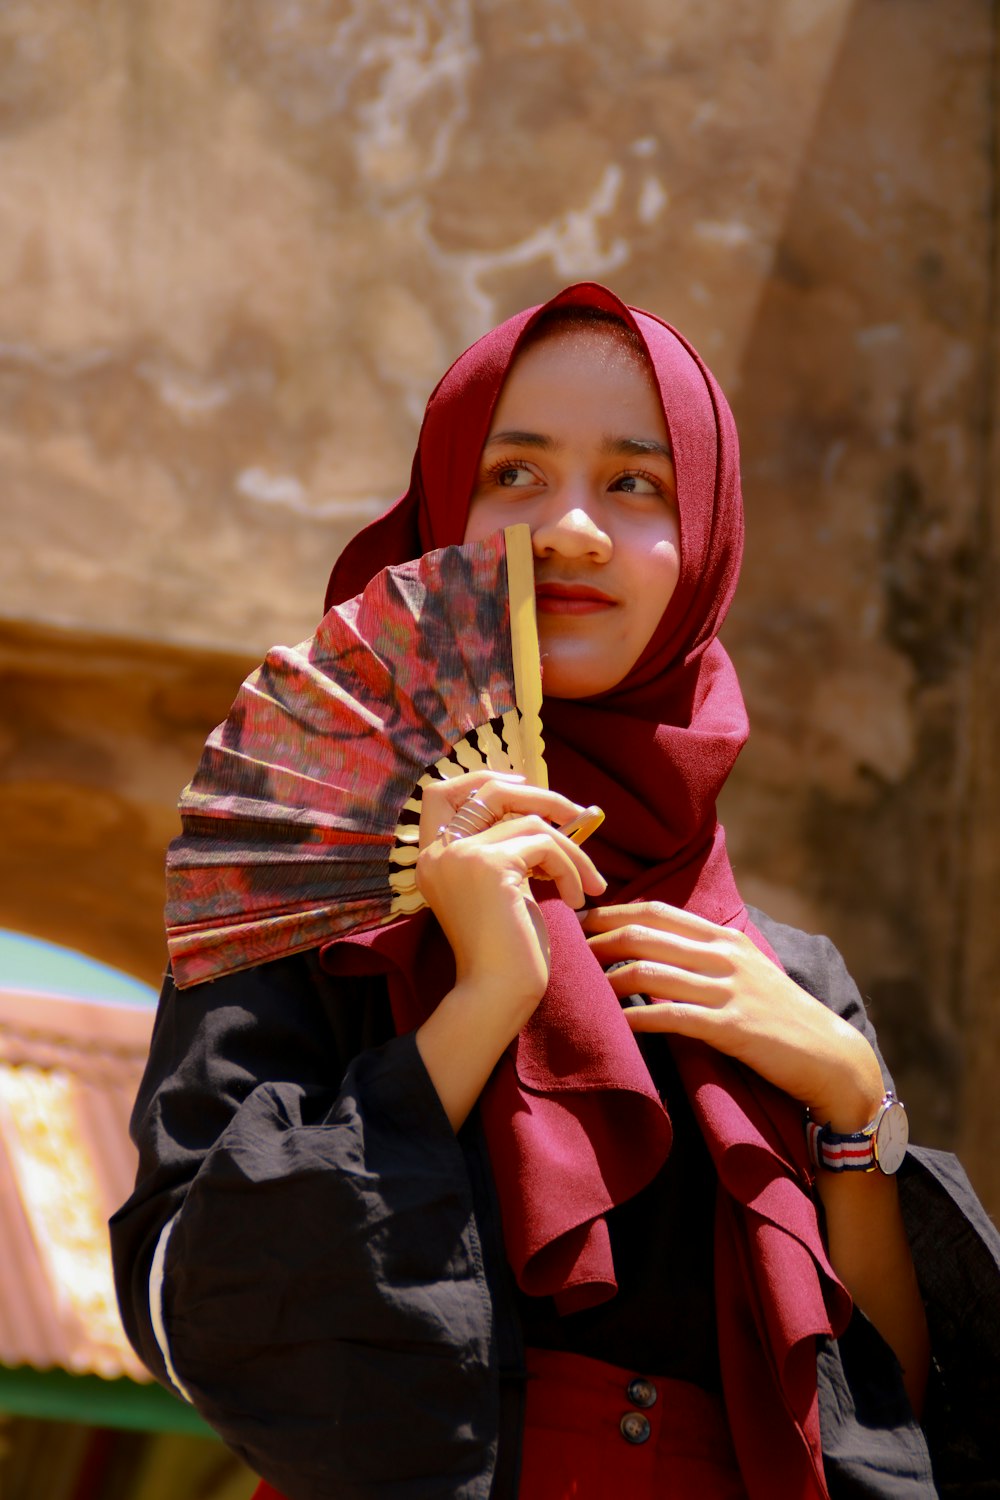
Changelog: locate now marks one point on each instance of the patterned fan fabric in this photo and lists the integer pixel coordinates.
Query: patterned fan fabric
(300, 822)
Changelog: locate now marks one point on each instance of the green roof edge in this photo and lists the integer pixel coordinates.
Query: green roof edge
(58, 1396)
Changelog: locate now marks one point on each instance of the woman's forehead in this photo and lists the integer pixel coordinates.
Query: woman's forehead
(579, 373)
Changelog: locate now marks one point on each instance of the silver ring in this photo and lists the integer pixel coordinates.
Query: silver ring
(473, 816)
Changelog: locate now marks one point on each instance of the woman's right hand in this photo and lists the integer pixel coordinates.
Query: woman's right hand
(477, 887)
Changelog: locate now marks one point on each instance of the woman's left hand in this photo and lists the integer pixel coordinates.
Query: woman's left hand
(712, 983)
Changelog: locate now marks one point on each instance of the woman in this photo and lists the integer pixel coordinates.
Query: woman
(416, 1216)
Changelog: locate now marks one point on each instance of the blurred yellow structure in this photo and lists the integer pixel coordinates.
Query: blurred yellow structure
(81, 1418)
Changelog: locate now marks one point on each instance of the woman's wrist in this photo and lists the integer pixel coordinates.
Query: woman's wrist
(464, 1038)
(848, 1097)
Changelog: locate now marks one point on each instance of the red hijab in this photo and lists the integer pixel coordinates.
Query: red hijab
(661, 744)
(573, 1122)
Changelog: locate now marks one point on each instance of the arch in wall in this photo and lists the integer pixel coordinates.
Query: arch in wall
(99, 737)
(31, 965)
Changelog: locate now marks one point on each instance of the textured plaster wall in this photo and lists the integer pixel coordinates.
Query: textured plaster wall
(865, 406)
(239, 241)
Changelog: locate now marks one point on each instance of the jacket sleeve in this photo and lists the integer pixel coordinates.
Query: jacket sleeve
(956, 1252)
(300, 1256)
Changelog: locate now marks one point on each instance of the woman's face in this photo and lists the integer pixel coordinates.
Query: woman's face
(579, 450)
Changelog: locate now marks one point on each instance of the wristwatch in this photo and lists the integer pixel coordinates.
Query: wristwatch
(881, 1144)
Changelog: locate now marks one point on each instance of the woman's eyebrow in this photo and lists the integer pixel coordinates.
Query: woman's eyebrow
(628, 446)
(521, 439)
(638, 446)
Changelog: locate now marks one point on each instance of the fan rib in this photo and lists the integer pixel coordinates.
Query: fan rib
(525, 650)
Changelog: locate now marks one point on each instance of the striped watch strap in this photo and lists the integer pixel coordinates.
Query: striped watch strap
(840, 1153)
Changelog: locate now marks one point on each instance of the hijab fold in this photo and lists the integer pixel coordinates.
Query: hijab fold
(573, 1122)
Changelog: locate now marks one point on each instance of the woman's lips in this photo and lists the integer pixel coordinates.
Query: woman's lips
(571, 599)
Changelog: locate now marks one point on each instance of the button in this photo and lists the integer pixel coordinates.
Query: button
(641, 1392)
(634, 1427)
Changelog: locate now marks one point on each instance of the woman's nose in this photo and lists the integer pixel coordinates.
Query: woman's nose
(569, 527)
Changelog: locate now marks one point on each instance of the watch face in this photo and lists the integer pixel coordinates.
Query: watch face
(891, 1136)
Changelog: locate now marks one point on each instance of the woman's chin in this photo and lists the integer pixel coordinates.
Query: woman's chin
(562, 680)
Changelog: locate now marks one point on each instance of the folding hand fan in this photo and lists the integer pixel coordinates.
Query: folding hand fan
(301, 820)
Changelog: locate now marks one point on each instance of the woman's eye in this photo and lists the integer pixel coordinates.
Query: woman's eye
(636, 484)
(512, 476)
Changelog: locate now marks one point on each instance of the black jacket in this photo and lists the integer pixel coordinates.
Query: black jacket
(335, 1297)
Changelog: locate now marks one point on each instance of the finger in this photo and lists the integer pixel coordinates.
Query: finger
(545, 858)
(535, 828)
(500, 794)
(638, 942)
(525, 848)
(662, 982)
(441, 799)
(582, 825)
(677, 1019)
(503, 798)
(656, 914)
(452, 791)
(528, 847)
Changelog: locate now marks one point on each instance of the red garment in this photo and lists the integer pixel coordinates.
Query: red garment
(573, 1122)
(593, 1431)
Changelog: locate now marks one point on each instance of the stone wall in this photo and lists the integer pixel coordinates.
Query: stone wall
(239, 240)
(242, 238)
